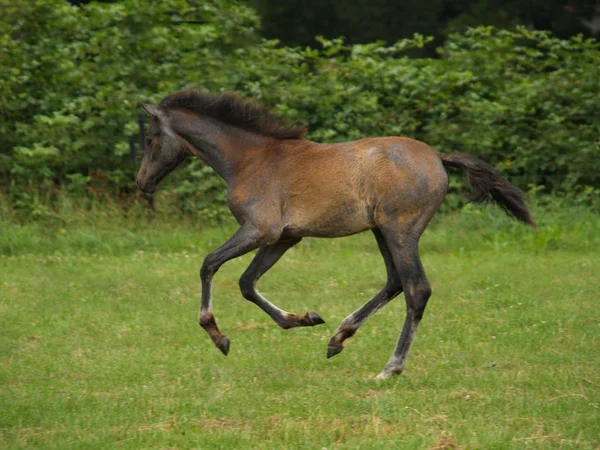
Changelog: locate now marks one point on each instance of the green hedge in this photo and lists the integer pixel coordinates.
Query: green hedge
(71, 77)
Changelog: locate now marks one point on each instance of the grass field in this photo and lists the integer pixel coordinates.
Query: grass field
(100, 347)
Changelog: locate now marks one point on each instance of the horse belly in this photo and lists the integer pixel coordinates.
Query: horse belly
(333, 220)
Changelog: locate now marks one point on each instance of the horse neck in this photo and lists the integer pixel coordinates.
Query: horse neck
(223, 147)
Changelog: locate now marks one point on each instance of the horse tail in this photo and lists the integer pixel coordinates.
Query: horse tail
(489, 186)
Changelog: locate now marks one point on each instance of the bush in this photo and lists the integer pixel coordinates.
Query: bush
(72, 76)
(523, 100)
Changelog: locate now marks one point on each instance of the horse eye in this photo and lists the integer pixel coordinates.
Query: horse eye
(148, 141)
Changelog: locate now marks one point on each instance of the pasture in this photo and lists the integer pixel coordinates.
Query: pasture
(100, 347)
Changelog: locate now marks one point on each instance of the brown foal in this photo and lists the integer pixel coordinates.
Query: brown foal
(282, 187)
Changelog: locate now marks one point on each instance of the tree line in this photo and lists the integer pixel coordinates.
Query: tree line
(525, 100)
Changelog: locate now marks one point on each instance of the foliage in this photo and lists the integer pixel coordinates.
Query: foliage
(70, 79)
(72, 76)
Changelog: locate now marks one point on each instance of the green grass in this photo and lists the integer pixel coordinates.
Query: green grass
(100, 347)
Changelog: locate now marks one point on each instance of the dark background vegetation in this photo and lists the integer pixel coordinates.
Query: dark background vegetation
(515, 82)
(297, 22)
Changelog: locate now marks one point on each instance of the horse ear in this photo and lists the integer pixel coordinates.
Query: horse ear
(151, 110)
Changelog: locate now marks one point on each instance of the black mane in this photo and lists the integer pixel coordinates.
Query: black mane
(232, 109)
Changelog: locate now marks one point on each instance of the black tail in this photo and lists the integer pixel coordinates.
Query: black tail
(489, 185)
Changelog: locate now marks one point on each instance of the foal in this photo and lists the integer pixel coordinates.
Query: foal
(282, 187)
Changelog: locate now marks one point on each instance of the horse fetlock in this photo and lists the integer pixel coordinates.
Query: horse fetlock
(389, 372)
(336, 343)
(346, 331)
(208, 323)
(206, 320)
(334, 349)
(310, 319)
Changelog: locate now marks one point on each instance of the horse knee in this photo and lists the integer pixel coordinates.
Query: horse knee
(208, 269)
(418, 296)
(247, 287)
(424, 291)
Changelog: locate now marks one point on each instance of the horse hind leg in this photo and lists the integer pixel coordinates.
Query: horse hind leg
(404, 249)
(392, 289)
(265, 258)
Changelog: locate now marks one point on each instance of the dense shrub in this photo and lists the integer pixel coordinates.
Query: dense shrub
(71, 77)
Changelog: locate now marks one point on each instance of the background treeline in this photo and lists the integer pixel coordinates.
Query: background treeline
(296, 22)
(70, 78)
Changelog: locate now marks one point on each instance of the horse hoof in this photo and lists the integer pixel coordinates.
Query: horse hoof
(382, 376)
(314, 318)
(333, 350)
(387, 374)
(223, 345)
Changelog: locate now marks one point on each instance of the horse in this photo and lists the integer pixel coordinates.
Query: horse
(282, 187)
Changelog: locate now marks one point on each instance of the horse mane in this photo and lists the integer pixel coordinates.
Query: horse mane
(232, 109)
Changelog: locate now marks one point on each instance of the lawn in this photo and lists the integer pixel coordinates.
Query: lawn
(100, 347)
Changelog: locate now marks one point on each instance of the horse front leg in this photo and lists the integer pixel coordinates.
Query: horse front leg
(245, 239)
(266, 258)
